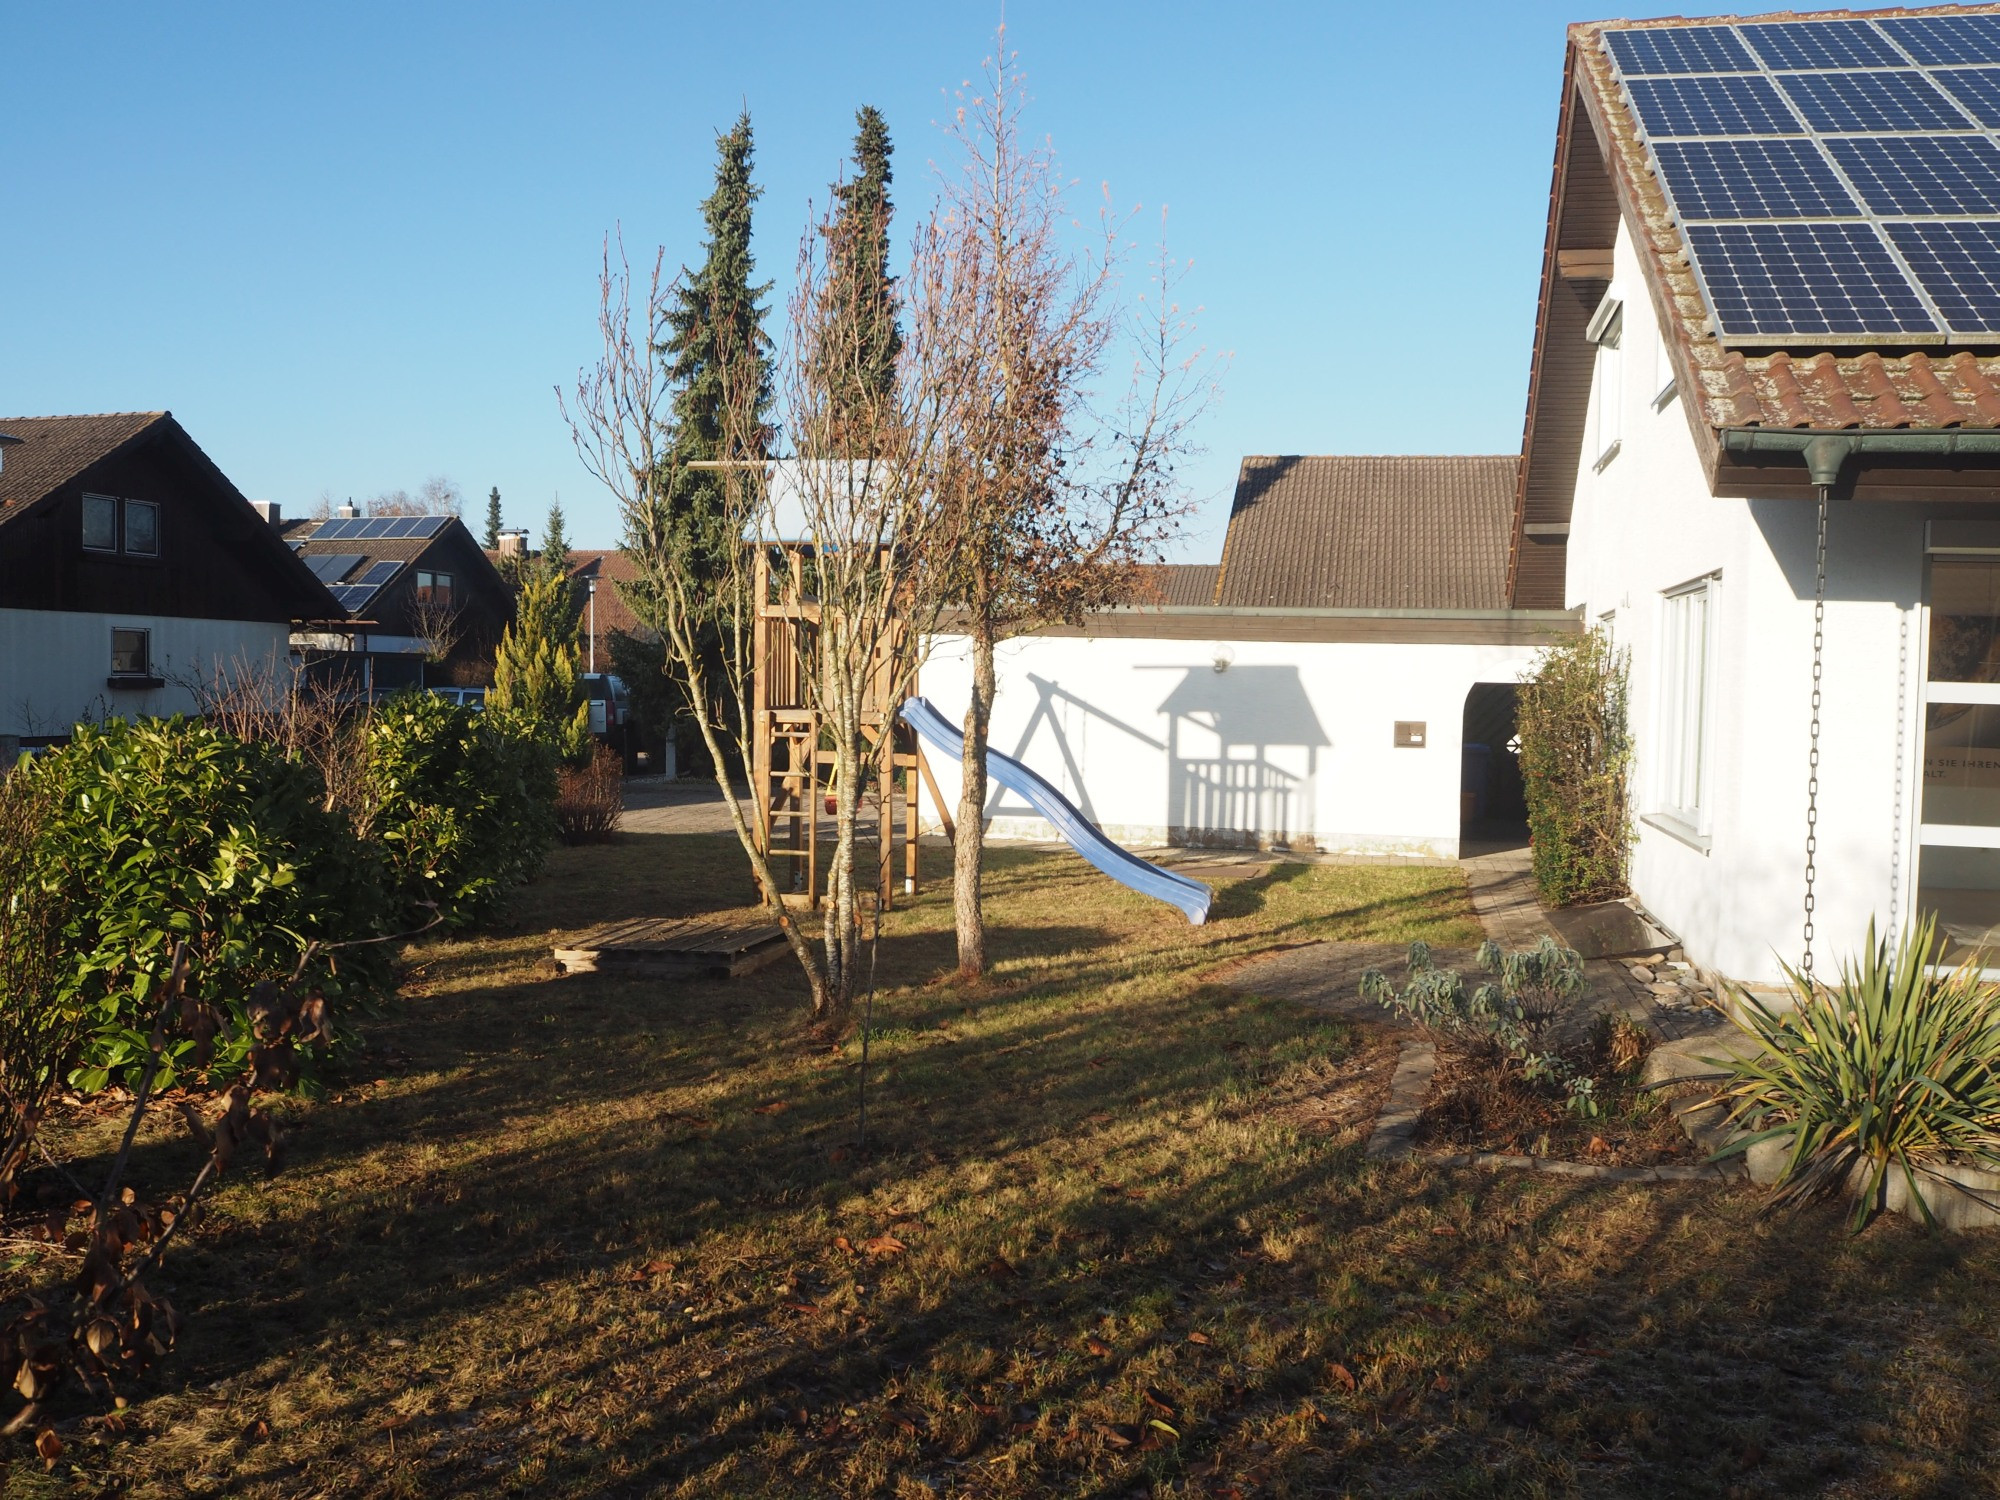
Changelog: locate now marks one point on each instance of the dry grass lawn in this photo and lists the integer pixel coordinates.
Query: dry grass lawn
(1111, 1235)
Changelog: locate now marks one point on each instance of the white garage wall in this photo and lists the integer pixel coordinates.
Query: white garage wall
(1291, 746)
(53, 664)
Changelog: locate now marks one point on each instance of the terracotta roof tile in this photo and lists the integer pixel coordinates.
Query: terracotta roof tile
(1888, 387)
(1414, 532)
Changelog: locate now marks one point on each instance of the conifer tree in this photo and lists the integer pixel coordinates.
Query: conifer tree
(860, 261)
(491, 541)
(555, 565)
(717, 324)
(534, 671)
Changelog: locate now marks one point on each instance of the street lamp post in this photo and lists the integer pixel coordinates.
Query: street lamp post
(590, 588)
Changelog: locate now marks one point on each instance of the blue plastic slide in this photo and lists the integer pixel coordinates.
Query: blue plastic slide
(1191, 896)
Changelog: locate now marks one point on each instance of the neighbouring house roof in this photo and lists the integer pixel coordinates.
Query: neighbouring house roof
(54, 450)
(608, 568)
(1181, 584)
(50, 454)
(1351, 532)
(450, 547)
(1603, 175)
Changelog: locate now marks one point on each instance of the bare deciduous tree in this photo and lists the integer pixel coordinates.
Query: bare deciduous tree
(1058, 497)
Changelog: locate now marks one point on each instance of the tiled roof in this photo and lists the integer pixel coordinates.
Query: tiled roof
(1403, 532)
(610, 568)
(54, 450)
(1182, 584)
(1886, 388)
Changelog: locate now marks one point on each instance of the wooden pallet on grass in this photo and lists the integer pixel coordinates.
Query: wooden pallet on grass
(716, 947)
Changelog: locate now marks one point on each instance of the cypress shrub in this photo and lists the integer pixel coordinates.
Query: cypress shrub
(1576, 756)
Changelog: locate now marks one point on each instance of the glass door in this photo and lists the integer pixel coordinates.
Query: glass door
(1958, 860)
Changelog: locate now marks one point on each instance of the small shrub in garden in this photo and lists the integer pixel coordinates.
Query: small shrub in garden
(461, 801)
(590, 797)
(1894, 1068)
(169, 830)
(1501, 1022)
(41, 1025)
(1576, 753)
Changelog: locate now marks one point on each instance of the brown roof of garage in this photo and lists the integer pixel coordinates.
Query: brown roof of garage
(1398, 532)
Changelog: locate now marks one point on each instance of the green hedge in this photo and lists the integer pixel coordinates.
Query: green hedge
(461, 802)
(1576, 755)
(168, 829)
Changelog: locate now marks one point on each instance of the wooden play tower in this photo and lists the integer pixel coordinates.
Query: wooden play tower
(792, 768)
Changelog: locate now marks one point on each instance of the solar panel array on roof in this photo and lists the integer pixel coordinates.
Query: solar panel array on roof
(379, 574)
(351, 596)
(380, 528)
(331, 567)
(1836, 181)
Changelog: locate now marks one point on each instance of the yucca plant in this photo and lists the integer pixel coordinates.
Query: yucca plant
(1893, 1068)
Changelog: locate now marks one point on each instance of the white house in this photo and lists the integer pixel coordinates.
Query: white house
(129, 565)
(1770, 294)
(1317, 690)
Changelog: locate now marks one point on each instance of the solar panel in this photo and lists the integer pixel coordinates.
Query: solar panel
(1917, 174)
(1978, 89)
(1959, 265)
(430, 526)
(350, 596)
(379, 574)
(331, 567)
(1729, 105)
(339, 529)
(1872, 101)
(1785, 179)
(1780, 280)
(1679, 49)
(1821, 44)
(1946, 39)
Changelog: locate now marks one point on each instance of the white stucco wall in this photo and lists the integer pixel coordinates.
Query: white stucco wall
(1292, 745)
(53, 664)
(1645, 524)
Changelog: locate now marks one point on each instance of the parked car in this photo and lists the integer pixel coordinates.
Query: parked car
(470, 697)
(610, 705)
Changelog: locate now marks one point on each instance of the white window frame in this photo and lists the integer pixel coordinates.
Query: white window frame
(1665, 382)
(1607, 379)
(1682, 777)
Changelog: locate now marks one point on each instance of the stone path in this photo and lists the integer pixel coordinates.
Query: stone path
(1665, 995)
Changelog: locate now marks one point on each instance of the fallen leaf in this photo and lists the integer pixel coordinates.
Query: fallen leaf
(1095, 1062)
(1097, 1347)
(998, 1267)
(884, 1245)
(1113, 1435)
(840, 1243)
(1342, 1374)
(1443, 1229)
(804, 1307)
(49, 1446)
(1597, 1146)
(775, 1107)
(1155, 1422)
(1198, 1337)
(1154, 1399)
(1440, 1384)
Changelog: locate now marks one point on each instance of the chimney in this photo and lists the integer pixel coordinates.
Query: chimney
(513, 544)
(347, 512)
(272, 512)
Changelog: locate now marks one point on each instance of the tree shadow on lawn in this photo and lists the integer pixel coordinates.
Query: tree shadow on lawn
(504, 1206)
(1589, 1340)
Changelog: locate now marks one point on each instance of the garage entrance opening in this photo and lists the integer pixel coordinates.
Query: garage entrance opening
(1492, 808)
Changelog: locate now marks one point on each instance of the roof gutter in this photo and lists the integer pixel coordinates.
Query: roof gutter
(1826, 453)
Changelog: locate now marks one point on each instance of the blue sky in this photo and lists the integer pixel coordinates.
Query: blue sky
(352, 247)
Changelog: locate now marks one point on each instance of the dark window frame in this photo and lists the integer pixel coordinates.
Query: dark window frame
(122, 510)
(143, 672)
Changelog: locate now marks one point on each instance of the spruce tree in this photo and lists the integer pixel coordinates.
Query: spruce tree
(717, 321)
(860, 254)
(555, 544)
(491, 541)
(554, 565)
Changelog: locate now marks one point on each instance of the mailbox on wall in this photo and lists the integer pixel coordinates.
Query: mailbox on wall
(1410, 734)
